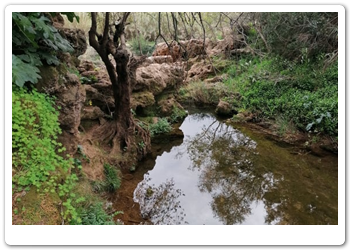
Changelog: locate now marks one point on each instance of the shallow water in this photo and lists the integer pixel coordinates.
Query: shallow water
(225, 175)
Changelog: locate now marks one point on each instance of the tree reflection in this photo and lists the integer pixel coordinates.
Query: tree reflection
(160, 203)
(226, 161)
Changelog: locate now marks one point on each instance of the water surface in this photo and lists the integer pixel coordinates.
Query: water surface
(225, 175)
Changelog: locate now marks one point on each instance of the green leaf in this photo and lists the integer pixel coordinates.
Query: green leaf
(40, 24)
(26, 27)
(32, 58)
(50, 59)
(23, 72)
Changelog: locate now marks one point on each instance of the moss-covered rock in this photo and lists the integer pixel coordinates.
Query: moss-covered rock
(142, 99)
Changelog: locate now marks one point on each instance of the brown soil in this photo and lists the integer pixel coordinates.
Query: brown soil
(98, 155)
(123, 199)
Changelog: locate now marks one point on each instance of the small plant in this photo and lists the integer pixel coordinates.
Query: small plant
(177, 115)
(162, 126)
(140, 46)
(141, 144)
(112, 181)
(91, 79)
(80, 150)
(34, 41)
(96, 215)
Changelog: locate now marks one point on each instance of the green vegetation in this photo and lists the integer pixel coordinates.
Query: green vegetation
(162, 126)
(40, 169)
(95, 215)
(140, 46)
(113, 180)
(34, 41)
(88, 80)
(45, 178)
(291, 79)
(177, 115)
(111, 183)
(37, 156)
(304, 94)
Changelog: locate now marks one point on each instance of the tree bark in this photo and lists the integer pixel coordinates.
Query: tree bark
(123, 130)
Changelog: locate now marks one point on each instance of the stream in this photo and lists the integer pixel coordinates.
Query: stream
(223, 174)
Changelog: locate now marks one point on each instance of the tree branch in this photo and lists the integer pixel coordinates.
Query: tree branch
(104, 40)
(159, 31)
(92, 33)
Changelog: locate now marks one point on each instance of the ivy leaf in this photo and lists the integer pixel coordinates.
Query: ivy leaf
(23, 72)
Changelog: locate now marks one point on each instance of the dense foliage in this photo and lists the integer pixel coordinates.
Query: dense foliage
(38, 159)
(34, 42)
(303, 94)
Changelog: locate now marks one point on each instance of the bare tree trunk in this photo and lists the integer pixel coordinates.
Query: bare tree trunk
(122, 93)
(121, 131)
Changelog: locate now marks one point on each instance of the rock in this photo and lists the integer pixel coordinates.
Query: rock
(158, 77)
(225, 109)
(216, 79)
(194, 47)
(104, 88)
(99, 98)
(86, 65)
(76, 38)
(168, 105)
(200, 71)
(57, 21)
(159, 59)
(91, 113)
(70, 95)
(173, 50)
(142, 99)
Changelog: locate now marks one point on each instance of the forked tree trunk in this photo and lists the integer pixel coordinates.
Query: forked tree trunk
(121, 132)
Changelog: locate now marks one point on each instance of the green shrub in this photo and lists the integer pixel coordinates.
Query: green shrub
(177, 115)
(140, 46)
(162, 126)
(304, 94)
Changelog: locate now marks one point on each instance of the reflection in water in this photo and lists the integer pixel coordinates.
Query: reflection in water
(225, 157)
(219, 175)
(160, 203)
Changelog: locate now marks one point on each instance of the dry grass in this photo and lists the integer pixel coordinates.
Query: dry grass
(35, 209)
(84, 22)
